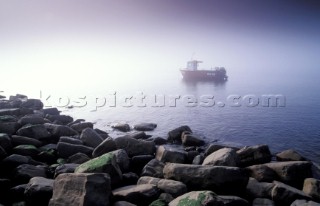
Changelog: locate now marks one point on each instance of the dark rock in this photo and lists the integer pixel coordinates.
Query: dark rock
(145, 126)
(135, 147)
(191, 155)
(159, 140)
(79, 127)
(311, 187)
(39, 191)
(123, 203)
(34, 104)
(122, 159)
(215, 147)
(304, 203)
(31, 119)
(223, 180)
(167, 198)
(170, 154)
(26, 150)
(90, 138)
(81, 189)
(284, 194)
(17, 193)
(3, 153)
(153, 168)
(138, 162)
(51, 111)
(10, 111)
(138, 135)
(65, 150)
(262, 173)
(5, 142)
(289, 155)
(122, 127)
(60, 119)
(48, 147)
(191, 140)
(252, 155)
(129, 178)
(158, 202)
(78, 158)
(8, 118)
(25, 172)
(62, 130)
(222, 157)
(198, 160)
(14, 160)
(262, 202)
(108, 145)
(257, 189)
(38, 132)
(9, 127)
(49, 156)
(21, 140)
(70, 140)
(174, 136)
(142, 194)
(103, 164)
(65, 168)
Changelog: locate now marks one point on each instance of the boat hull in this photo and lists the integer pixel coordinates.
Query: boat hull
(203, 75)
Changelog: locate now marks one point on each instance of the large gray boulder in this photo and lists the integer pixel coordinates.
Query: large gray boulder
(90, 138)
(289, 155)
(122, 159)
(31, 119)
(66, 150)
(85, 189)
(222, 157)
(174, 136)
(170, 154)
(21, 140)
(38, 191)
(108, 145)
(257, 189)
(38, 132)
(153, 168)
(262, 202)
(25, 172)
(252, 155)
(311, 187)
(135, 147)
(223, 180)
(79, 127)
(191, 140)
(262, 173)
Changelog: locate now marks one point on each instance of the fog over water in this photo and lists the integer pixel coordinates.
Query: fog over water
(80, 48)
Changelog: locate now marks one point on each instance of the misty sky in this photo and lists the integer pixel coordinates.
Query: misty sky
(103, 35)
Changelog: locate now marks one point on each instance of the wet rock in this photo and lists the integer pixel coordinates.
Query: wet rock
(34, 104)
(257, 189)
(252, 155)
(78, 158)
(222, 157)
(70, 140)
(289, 155)
(9, 127)
(59, 119)
(262, 173)
(122, 159)
(5, 142)
(191, 155)
(215, 147)
(223, 180)
(103, 164)
(142, 194)
(123, 203)
(122, 127)
(129, 178)
(25, 172)
(10, 111)
(62, 130)
(49, 156)
(14, 160)
(3, 153)
(66, 150)
(65, 168)
(81, 189)
(191, 140)
(159, 140)
(17, 193)
(51, 111)
(31, 119)
(198, 160)
(172, 187)
(79, 127)
(170, 154)
(21, 140)
(108, 145)
(304, 203)
(39, 191)
(138, 162)
(153, 168)
(311, 187)
(174, 136)
(262, 202)
(145, 126)
(135, 147)
(138, 135)
(90, 138)
(284, 194)
(38, 132)
(26, 150)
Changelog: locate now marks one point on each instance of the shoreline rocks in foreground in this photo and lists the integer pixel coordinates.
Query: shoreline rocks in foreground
(47, 158)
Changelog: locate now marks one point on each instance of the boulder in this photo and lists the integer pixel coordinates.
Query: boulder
(62, 130)
(284, 194)
(34, 104)
(103, 164)
(191, 155)
(142, 194)
(51, 111)
(138, 162)
(138, 135)
(108, 145)
(304, 203)
(90, 138)
(26, 150)
(215, 147)
(38, 132)
(123, 203)
(79, 127)
(3, 153)
(81, 189)
(153, 168)
(198, 160)
(38, 191)
(207, 198)
(191, 140)
(11, 162)
(223, 180)
(65, 168)
(158, 140)
(16, 193)
(25, 172)
(59, 119)
(174, 136)
(10, 111)
(289, 155)
(122, 127)
(257, 189)
(145, 126)
(21, 140)
(70, 140)
(170, 154)
(78, 158)
(122, 159)
(31, 119)
(5, 142)
(49, 156)
(158, 202)
(252, 155)
(262, 173)
(9, 127)
(135, 147)
(129, 178)
(311, 187)
(66, 150)
(222, 157)
(262, 202)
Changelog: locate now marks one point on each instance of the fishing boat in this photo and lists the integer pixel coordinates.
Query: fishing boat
(191, 72)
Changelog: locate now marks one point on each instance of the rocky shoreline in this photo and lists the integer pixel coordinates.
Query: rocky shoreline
(47, 158)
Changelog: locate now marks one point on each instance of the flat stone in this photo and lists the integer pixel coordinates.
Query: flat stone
(222, 157)
(289, 155)
(170, 154)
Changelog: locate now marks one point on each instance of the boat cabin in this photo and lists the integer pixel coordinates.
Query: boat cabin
(193, 65)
